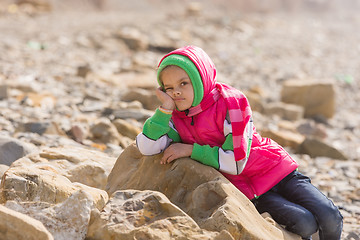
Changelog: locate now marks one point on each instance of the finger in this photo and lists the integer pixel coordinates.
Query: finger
(165, 157)
(165, 160)
(169, 159)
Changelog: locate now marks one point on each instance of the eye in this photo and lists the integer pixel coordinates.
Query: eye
(183, 83)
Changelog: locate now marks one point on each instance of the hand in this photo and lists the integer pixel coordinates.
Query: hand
(166, 101)
(175, 151)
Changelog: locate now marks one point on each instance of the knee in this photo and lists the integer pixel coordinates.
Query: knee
(330, 220)
(305, 225)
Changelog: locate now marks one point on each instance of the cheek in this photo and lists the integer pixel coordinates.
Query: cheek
(191, 93)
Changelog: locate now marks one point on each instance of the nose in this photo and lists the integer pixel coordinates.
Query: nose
(176, 93)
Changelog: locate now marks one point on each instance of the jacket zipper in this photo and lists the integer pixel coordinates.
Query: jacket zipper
(192, 117)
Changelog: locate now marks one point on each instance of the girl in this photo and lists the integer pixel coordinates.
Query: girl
(211, 123)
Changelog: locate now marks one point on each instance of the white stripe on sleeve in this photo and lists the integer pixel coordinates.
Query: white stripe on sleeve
(148, 146)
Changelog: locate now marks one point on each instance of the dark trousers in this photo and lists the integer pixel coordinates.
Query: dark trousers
(298, 205)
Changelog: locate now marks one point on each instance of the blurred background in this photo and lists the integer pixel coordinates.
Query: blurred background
(70, 69)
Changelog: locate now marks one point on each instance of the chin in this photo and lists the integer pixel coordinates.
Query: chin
(181, 108)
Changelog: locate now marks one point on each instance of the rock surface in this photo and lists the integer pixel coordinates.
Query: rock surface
(132, 214)
(200, 191)
(66, 220)
(17, 226)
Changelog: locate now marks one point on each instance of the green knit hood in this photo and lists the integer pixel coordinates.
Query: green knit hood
(189, 67)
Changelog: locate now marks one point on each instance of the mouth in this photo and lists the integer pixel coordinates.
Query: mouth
(179, 99)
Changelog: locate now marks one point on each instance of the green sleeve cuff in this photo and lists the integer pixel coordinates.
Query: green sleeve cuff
(206, 155)
(157, 125)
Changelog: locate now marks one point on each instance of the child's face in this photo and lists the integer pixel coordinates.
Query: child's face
(178, 86)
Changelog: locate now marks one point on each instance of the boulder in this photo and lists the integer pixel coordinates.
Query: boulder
(105, 132)
(12, 149)
(285, 138)
(317, 98)
(78, 164)
(312, 129)
(18, 226)
(132, 214)
(66, 220)
(52, 175)
(44, 184)
(126, 129)
(146, 97)
(200, 191)
(255, 100)
(315, 147)
(286, 111)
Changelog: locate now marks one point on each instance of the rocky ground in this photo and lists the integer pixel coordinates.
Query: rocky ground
(68, 75)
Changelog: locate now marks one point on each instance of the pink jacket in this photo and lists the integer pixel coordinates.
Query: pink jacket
(268, 162)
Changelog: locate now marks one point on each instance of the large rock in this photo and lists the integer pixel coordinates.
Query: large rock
(318, 148)
(146, 97)
(44, 184)
(312, 129)
(126, 128)
(285, 111)
(256, 101)
(12, 149)
(285, 138)
(132, 214)
(200, 191)
(317, 98)
(105, 132)
(18, 226)
(81, 165)
(66, 220)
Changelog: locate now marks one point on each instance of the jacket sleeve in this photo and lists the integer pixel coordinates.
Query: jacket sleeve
(158, 133)
(221, 158)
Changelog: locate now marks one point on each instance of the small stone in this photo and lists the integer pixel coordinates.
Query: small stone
(133, 38)
(3, 92)
(83, 71)
(12, 149)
